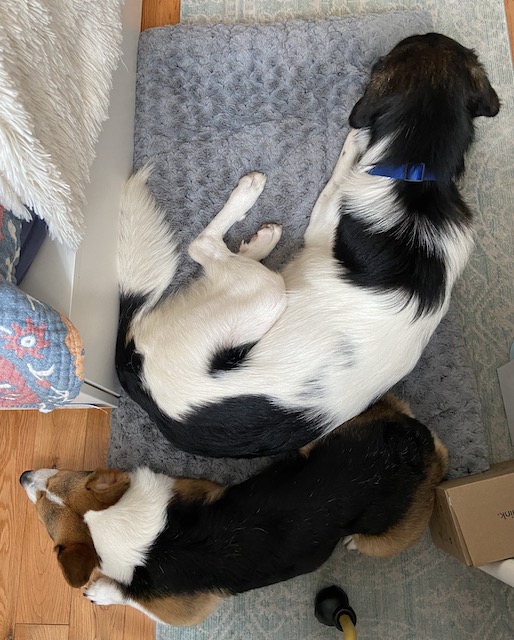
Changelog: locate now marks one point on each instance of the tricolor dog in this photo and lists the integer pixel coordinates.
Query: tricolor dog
(245, 361)
(174, 548)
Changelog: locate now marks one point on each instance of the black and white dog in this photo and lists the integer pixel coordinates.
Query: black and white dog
(246, 361)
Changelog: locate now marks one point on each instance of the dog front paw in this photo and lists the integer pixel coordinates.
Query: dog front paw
(104, 592)
(356, 144)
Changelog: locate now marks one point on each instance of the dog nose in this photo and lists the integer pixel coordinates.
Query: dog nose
(26, 477)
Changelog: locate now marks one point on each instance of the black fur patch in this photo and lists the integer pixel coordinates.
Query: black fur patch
(229, 358)
(246, 426)
(384, 261)
(286, 520)
(124, 357)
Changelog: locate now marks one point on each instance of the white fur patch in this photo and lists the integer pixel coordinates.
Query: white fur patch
(147, 255)
(123, 533)
(350, 544)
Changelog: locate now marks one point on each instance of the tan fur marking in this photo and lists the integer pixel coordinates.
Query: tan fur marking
(409, 530)
(182, 610)
(108, 485)
(195, 490)
(306, 450)
(387, 408)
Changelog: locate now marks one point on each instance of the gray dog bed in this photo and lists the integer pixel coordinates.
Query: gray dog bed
(215, 102)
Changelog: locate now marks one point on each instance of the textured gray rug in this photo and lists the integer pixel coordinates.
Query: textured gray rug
(212, 104)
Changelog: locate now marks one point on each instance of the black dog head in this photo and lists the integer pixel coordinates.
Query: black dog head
(428, 63)
(424, 95)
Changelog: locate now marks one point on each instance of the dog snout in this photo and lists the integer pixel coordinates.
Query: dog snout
(34, 481)
(26, 478)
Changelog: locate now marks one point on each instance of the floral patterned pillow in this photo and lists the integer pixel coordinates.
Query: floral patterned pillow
(41, 353)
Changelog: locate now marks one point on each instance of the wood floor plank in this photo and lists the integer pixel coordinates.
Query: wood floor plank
(43, 595)
(158, 13)
(509, 12)
(17, 436)
(91, 621)
(41, 632)
(97, 439)
(138, 626)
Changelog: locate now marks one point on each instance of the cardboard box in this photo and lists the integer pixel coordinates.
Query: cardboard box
(473, 518)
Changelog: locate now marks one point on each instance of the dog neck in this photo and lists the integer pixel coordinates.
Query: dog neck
(418, 133)
(123, 533)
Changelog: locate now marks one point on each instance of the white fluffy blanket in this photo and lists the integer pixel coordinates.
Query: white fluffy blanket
(56, 62)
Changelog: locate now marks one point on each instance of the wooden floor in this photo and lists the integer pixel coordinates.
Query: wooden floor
(35, 601)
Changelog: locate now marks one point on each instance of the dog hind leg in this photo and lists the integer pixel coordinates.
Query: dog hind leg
(262, 243)
(245, 298)
(385, 545)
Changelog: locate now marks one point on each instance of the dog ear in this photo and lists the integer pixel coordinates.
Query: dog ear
(108, 485)
(485, 101)
(77, 561)
(362, 113)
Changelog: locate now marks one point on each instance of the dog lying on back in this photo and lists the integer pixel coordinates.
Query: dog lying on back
(174, 547)
(246, 361)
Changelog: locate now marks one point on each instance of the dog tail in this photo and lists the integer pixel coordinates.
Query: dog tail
(147, 251)
(147, 261)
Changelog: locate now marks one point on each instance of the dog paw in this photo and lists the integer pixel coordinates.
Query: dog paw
(103, 592)
(254, 181)
(262, 242)
(350, 543)
(248, 189)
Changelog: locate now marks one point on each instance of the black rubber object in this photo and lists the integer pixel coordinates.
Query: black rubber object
(331, 603)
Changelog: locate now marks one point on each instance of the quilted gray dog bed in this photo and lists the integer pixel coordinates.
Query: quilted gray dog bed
(215, 102)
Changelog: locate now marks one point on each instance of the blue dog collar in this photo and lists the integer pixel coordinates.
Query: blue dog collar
(410, 172)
